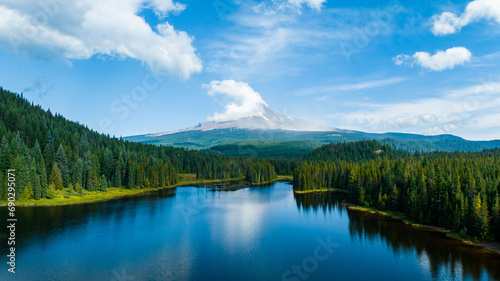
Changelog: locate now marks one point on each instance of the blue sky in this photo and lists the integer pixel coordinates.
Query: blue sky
(127, 67)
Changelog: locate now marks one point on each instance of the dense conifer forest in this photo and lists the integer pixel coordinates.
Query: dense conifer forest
(51, 153)
(457, 191)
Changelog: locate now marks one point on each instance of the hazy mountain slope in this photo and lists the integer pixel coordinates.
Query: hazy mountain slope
(273, 127)
(405, 142)
(269, 120)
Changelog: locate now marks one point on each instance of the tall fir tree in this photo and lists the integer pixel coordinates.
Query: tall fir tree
(118, 176)
(103, 184)
(55, 178)
(62, 163)
(77, 176)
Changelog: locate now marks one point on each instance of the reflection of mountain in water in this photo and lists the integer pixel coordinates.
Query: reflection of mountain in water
(436, 252)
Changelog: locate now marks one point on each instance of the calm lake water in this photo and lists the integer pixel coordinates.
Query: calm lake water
(260, 233)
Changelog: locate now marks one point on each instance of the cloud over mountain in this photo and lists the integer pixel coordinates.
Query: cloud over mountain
(241, 100)
(79, 30)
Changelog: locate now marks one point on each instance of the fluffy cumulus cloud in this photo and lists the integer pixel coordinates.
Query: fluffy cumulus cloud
(449, 23)
(164, 7)
(314, 4)
(76, 30)
(438, 62)
(240, 100)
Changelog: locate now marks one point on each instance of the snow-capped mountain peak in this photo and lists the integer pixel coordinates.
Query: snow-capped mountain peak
(267, 119)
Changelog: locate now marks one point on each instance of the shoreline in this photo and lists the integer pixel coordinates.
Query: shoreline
(323, 190)
(112, 194)
(492, 247)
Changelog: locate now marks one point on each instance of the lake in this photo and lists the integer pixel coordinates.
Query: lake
(258, 233)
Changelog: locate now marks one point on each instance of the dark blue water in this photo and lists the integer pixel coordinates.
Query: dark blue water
(262, 233)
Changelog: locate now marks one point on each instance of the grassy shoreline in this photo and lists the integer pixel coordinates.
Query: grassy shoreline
(493, 247)
(115, 193)
(490, 246)
(112, 193)
(322, 190)
(285, 178)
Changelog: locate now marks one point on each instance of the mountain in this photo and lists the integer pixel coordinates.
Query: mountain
(54, 158)
(269, 128)
(268, 120)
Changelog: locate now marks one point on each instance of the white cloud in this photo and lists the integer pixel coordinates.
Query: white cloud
(164, 7)
(449, 23)
(351, 87)
(82, 29)
(438, 62)
(314, 4)
(272, 39)
(241, 100)
(472, 110)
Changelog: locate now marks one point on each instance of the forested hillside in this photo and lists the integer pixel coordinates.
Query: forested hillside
(458, 191)
(354, 151)
(50, 153)
(265, 149)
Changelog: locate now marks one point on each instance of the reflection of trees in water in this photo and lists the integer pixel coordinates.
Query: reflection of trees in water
(442, 253)
(37, 222)
(436, 253)
(315, 201)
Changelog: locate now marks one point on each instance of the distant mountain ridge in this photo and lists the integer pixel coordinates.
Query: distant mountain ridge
(271, 126)
(269, 120)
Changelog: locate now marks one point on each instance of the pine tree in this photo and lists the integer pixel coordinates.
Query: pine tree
(480, 217)
(5, 156)
(51, 191)
(55, 178)
(91, 184)
(37, 188)
(78, 188)
(104, 184)
(19, 164)
(130, 176)
(362, 201)
(3, 186)
(496, 218)
(108, 163)
(27, 193)
(118, 176)
(62, 163)
(48, 155)
(395, 198)
(77, 176)
(43, 182)
(485, 219)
